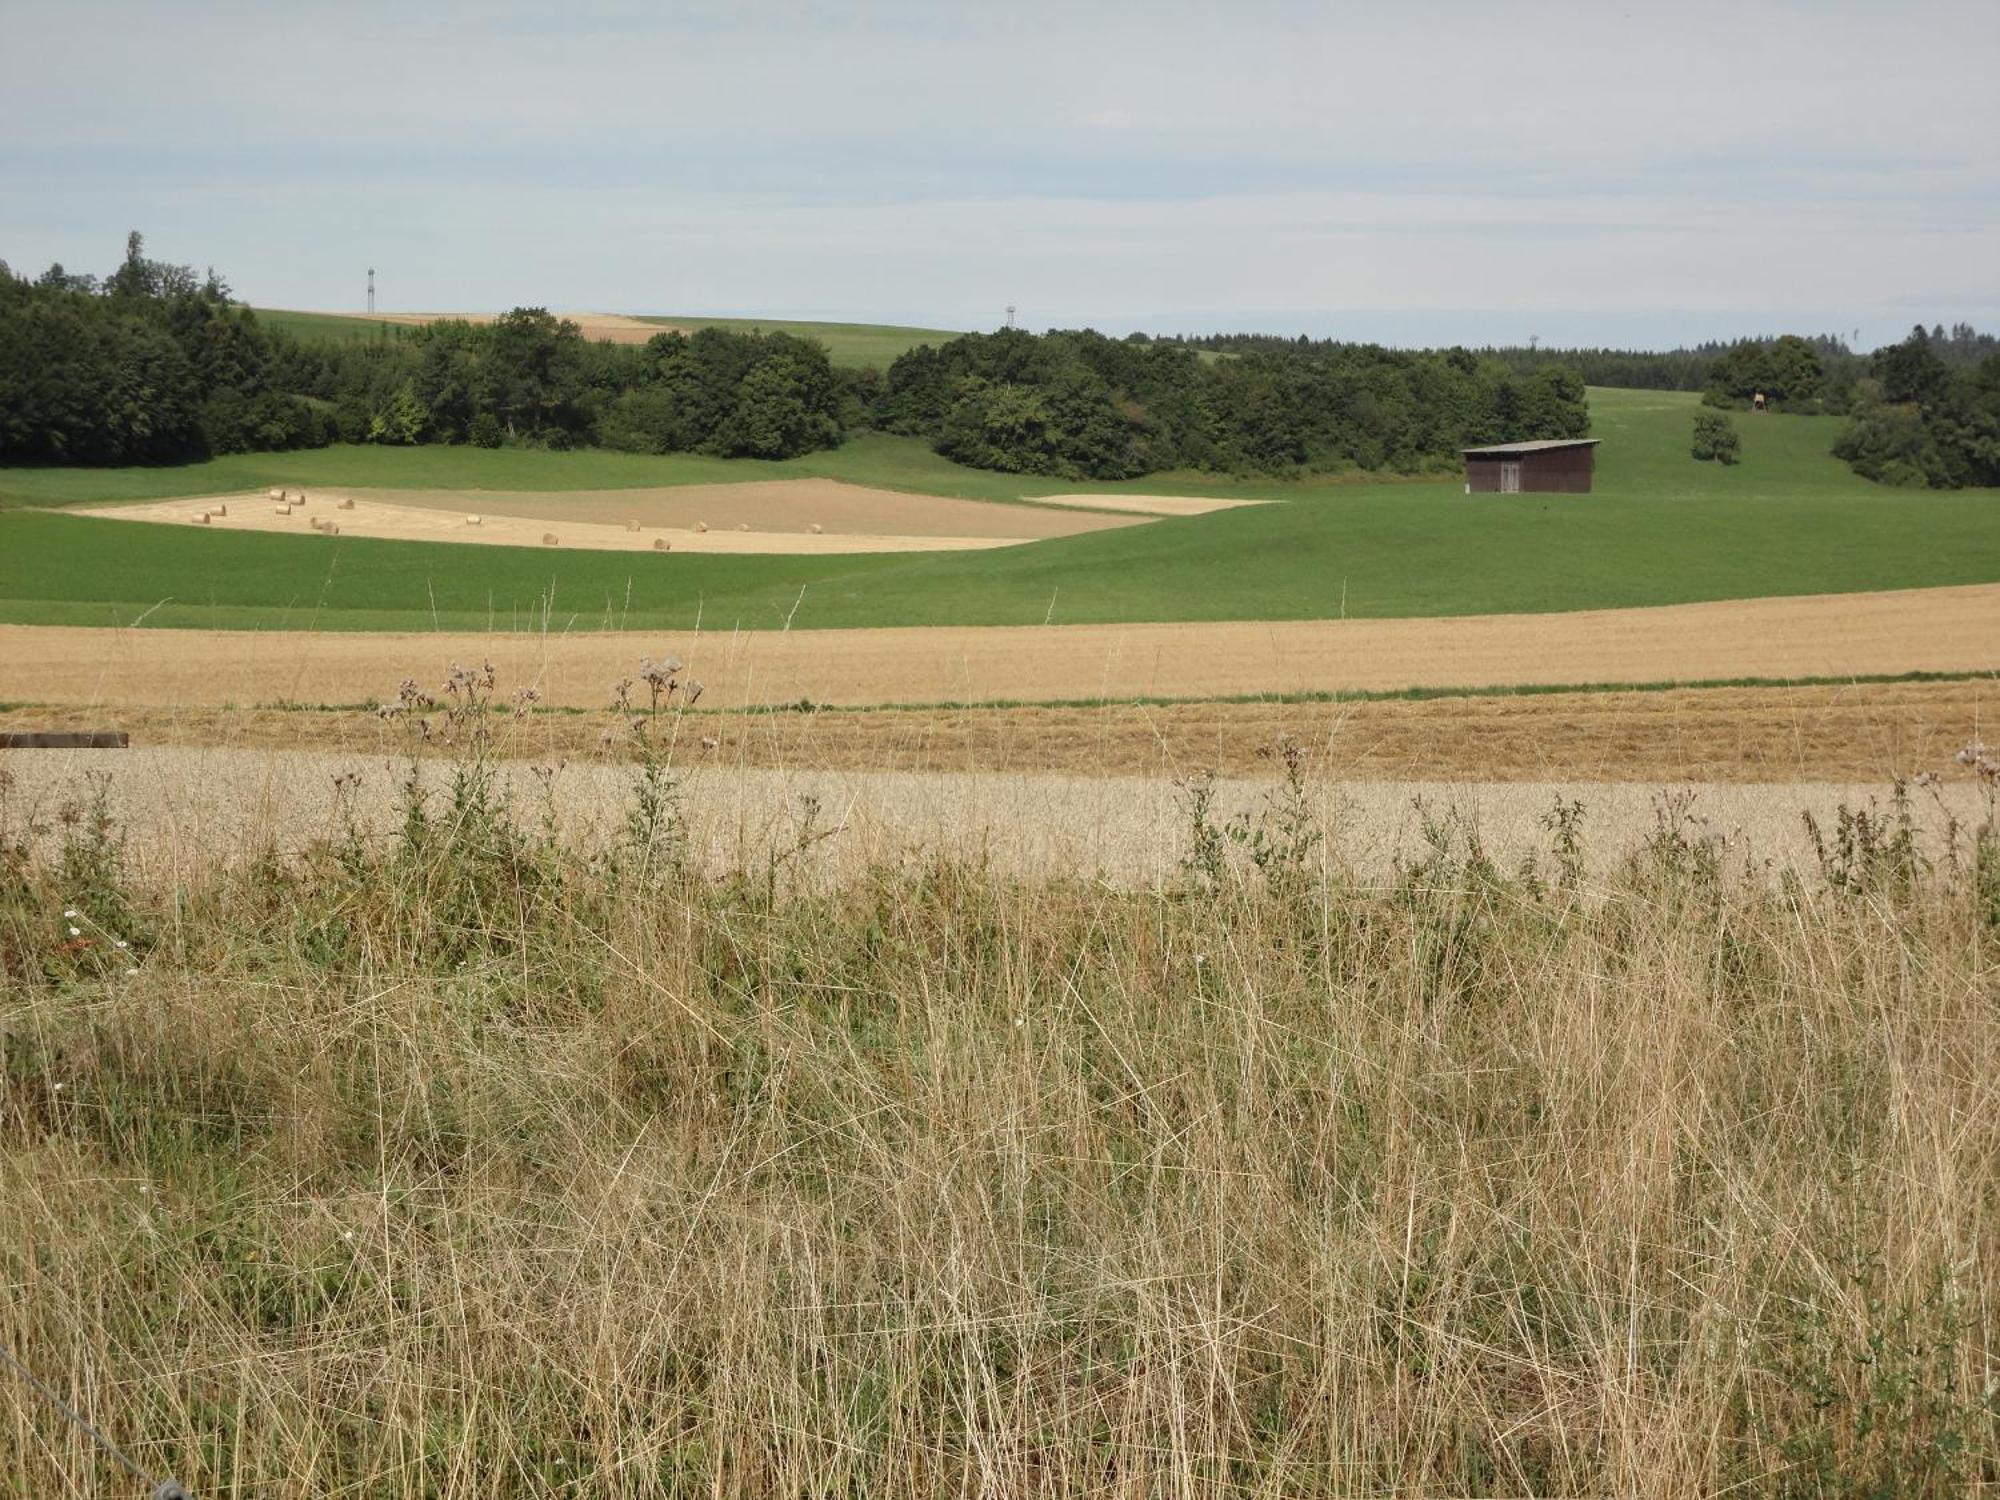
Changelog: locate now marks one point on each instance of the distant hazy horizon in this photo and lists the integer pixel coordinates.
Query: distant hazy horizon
(1419, 174)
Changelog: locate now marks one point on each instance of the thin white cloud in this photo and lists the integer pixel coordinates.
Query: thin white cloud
(1097, 162)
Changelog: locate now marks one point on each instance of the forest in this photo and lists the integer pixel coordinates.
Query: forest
(1705, 367)
(1922, 418)
(1080, 405)
(155, 363)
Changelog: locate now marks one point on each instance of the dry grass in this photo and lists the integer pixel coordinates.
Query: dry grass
(798, 517)
(1943, 630)
(461, 1162)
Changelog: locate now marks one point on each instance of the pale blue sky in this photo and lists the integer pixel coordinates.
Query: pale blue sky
(1416, 173)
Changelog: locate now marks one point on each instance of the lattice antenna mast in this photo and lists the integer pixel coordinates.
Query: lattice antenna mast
(1010, 315)
(371, 289)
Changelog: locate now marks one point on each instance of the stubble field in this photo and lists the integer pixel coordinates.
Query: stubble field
(1837, 637)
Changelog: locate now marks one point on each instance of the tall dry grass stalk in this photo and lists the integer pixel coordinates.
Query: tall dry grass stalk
(478, 1165)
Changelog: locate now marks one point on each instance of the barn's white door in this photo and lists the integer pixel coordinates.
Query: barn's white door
(1510, 479)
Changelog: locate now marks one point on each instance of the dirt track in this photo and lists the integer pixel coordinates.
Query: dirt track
(778, 517)
(1949, 629)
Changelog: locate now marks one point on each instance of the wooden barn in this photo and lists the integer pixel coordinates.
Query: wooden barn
(1560, 465)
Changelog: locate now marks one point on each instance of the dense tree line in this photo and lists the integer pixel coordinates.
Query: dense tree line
(1924, 417)
(1727, 374)
(150, 363)
(1684, 369)
(1079, 405)
(155, 364)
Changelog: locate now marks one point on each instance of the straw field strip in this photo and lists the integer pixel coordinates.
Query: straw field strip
(1945, 630)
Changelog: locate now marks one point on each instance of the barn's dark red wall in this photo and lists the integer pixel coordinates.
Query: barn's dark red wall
(1552, 471)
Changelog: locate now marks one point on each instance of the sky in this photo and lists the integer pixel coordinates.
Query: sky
(1415, 173)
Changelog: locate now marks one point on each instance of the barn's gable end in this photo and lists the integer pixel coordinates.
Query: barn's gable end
(1556, 466)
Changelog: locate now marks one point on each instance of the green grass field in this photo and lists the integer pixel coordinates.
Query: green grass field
(1660, 529)
(310, 326)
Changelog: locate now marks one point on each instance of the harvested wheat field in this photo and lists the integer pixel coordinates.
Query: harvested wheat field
(1835, 635)
(785, 506)
(178, 807)
(1864, 732)
(798, 517)
(1147, 505)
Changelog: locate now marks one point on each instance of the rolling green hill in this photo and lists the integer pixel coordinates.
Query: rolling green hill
(1660, 529)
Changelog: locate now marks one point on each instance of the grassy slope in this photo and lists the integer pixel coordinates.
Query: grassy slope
(1661, 529)
(852, 345)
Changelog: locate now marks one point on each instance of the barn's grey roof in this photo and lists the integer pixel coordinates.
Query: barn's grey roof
(1540, 445)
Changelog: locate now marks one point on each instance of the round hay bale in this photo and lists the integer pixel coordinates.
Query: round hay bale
(472, 520)
(200, 520)
(277, 494)
(631, 525)
(661, 544)
(549, 539)
(701, 526)
(742, 525)
(816, 528)
(284, 510)
(220, 510)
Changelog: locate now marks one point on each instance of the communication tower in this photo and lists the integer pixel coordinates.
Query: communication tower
(371, 289)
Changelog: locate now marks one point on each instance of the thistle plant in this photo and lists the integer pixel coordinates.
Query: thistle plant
(654, 834)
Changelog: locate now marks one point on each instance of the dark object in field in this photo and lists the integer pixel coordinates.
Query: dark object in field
(1558, 464)
(65, 739)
